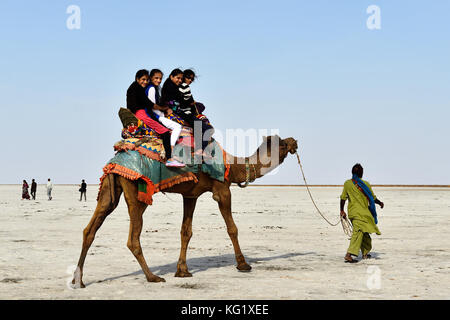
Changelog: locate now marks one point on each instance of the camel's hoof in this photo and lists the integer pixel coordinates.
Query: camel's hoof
(77, 285)
(183, 274)
(156, 279)
(77, 282)
(244, 267)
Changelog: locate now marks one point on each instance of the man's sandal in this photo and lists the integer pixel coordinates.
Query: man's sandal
(350, 260)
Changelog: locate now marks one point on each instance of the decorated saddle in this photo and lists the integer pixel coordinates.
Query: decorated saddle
(140, 156)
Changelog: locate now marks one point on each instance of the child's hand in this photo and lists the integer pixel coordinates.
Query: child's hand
(343, 214)
(169, 111)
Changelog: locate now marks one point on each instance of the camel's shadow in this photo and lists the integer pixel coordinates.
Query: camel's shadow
(196, 265)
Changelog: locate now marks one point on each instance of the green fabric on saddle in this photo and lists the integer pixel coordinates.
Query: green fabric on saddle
(216, 167)
(157, 171)
(142, 187)
(152, 169)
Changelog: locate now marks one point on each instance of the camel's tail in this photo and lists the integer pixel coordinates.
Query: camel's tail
(112, 188)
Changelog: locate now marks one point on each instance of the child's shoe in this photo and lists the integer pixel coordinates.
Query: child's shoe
(174, 163)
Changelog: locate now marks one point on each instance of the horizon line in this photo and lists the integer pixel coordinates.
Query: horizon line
(275, 185)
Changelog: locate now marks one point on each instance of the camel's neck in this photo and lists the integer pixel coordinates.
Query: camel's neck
(259, 164)
(238, 169)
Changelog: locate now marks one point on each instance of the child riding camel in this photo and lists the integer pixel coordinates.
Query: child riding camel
(173, 97)
(189, 77)
(153, 92)
(141, 106)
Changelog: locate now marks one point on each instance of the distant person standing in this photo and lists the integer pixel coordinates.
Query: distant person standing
(33, 189)
(361, 212)
(82, 190)
(49, 189)
(25, 194)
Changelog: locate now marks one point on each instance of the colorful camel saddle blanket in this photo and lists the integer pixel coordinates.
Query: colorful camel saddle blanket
(138, 136)
(136, 128)
(153, 147)
(145, 140)
(153, 175)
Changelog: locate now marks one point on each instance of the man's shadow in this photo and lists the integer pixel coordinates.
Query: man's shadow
(196, 265)
(373, 256)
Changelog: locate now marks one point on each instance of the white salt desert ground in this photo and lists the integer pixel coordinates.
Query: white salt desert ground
(294, 253)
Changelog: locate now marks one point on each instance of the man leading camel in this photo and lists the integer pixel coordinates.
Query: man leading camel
(361, 212)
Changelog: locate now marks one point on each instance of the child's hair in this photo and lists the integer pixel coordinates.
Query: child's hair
(176, 72)
(155, 71)
(141, 73)
(188, 73)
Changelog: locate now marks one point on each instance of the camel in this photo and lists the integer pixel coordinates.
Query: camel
(241, 170)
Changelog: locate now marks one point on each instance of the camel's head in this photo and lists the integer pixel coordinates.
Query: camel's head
(272, 152)
(290, 144)
(285, 146)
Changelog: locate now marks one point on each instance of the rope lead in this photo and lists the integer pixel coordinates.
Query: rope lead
(346, 225)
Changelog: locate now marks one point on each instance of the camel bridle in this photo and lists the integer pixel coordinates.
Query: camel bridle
(247, 174)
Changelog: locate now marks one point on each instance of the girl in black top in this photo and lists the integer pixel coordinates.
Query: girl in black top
(189, 77)
(171, 96)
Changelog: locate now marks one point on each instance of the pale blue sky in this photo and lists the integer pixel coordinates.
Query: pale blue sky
(311, 69)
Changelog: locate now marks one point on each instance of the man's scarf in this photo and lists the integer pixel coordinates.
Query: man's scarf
(366, 191)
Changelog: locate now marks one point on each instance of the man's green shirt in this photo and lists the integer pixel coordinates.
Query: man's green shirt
(358, 208)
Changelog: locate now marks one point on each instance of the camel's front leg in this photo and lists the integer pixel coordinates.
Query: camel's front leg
(223, 197)
(186, 234)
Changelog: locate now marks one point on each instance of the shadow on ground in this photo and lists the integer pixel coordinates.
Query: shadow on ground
(196, 265)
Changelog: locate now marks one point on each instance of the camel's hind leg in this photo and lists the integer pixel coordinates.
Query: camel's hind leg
(186, 234)
(222, 194)
(108, 200)
(136, 209)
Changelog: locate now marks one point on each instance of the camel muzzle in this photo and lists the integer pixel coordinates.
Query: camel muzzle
(291, 145)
